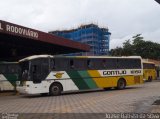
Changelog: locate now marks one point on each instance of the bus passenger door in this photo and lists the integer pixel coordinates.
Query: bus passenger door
(39, 70)
(36, 73)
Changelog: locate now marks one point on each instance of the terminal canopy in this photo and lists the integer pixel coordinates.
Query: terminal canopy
(17, 42)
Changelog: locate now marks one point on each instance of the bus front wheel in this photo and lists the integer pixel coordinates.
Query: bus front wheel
(55, 89)
(44, 94)
(121, 84)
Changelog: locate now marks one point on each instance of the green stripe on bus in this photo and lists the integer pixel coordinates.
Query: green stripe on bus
(78, 80)
(87, 78)
(12, 78)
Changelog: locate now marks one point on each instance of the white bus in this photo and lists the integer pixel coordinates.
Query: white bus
(45, 74)
(9, 74)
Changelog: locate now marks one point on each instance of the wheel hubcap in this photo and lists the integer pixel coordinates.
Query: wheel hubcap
(55, 89)
(121, 84)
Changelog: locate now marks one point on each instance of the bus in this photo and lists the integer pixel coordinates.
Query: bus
(46, 74)
(9, 74)
(149, 71)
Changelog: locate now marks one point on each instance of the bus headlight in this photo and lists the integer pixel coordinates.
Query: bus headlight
(24, 83)
(17, 83)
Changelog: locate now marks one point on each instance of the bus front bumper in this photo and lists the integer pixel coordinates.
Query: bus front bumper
(22, 89)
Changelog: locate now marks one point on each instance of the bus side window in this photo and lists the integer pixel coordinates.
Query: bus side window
(111, 63)
(117, 64)
(34, 69)
(89, 64)
(127, 64)
(62, 64)
(52, 64)
(104, 63)
(153, 66)
(80, 64)
(71, 63)
(136, 63)
(3, 68)
(13, 68)
(97, 64)
(121, 64)
(44, 69)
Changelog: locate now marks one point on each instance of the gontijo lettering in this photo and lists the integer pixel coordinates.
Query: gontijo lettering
(111, 73)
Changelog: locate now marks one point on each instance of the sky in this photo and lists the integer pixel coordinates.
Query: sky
(123, 18)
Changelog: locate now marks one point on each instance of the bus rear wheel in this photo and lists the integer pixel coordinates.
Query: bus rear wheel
(108, 88)
(55, 89)
(121, 84)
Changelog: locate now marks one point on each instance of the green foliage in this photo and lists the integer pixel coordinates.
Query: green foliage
(139, 47)
(117, 51)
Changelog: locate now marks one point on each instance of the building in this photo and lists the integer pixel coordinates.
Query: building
(91, 34)
(17, 42)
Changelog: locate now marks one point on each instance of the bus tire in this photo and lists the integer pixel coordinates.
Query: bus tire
(121, 84)
(55, 89)
(44, 94)
(108, 88)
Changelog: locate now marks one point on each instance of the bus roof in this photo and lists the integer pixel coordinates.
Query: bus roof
(147, 62)
(58, 56)
(35, 57)
(5, 62)
(137, 57)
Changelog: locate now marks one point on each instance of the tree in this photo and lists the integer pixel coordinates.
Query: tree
(139, 47)
(127, 48)
(116, 52)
